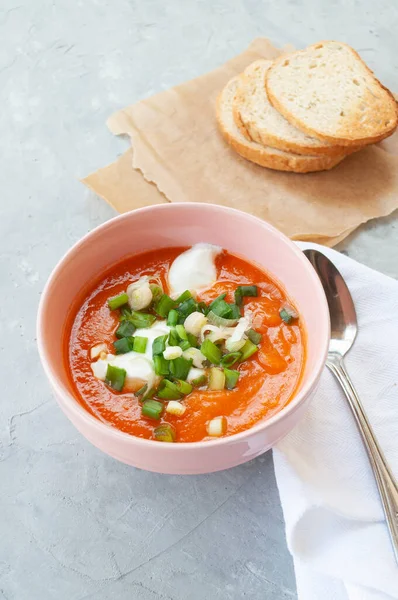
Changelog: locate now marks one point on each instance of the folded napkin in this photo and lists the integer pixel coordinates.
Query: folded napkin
(335, 525)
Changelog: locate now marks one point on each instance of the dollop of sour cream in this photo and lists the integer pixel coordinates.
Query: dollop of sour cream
(138, 366)
(194, 269)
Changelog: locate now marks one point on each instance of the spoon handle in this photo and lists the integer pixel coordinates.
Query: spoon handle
(384, 478)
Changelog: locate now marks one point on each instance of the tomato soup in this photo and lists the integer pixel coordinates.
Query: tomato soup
(184, 345)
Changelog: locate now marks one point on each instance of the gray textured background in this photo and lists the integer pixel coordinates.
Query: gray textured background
(75, 524)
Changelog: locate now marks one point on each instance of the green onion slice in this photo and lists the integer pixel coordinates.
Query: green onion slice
(231, 378)
(216, 379)
(183, 386)
(125, 329)
(245, 290)
(211, 352)
(140, 344)
(179, 367)
(159, 344)
(115, 377)
(168, 390)
(142, 391)
(184, 345)
(118, 301)
(164, 306)
(182, 334)
(199, 381)
(186, 308)
(172, 318)
(254, 336)
(230, 359)
(124, 345)
(161, 365)
(203, 308)
(164, 433)
(216, 301)
(125, 312)
(141, 320)
(152, 409)
(248, 349)
(157, 292)
(184, 296)
(221, 321)
(192, 339)
(288, 314)
(173, 338)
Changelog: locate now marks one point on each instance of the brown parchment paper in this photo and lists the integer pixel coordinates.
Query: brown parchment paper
(177, 147)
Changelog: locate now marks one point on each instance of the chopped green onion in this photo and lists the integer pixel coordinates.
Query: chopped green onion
(216, 301)
(244, 290)
(221, 321)
(185, 309)
(157, 292)
(118, 301)
(235, 311)
(168, 390)
(125, 313)
(288, 314)
(179, 367)
(125, 329)
(164, 306)
(231, 378)
(172, 319)
(248, 349)
(124, 345)
(230, 359)
(140, 344)
(184, 345)
(142, 390)
(184, 296)
(199, 381)
(159, 344)
(203, 308)
(182, 334)
(254, 336)
(164, 433)
(211, 352)
(222, 309)
(173, 338)
(161, 365)
(192, 340)
(183, 387)
(141, 320)
(216, 379)
(152, 409)
(115, 377)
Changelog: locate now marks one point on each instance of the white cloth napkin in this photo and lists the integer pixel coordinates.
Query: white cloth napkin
(335, 525)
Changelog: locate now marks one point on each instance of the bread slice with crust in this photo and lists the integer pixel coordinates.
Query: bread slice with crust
(328, 92)
(255, 115)
(257, 153)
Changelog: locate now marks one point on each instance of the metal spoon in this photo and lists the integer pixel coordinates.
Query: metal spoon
(343, 324)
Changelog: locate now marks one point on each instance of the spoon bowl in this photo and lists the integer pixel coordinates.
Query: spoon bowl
(343, 318)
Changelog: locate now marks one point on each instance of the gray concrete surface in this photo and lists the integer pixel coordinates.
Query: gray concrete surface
(75, 524)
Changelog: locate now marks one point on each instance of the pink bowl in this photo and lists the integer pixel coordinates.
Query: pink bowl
(182, 225)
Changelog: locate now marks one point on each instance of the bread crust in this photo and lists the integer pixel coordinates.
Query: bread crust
(266, 156)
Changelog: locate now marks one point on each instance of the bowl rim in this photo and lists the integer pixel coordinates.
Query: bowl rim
(68, 400)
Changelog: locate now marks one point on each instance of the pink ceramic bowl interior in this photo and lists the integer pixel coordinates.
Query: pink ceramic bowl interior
(182, 225)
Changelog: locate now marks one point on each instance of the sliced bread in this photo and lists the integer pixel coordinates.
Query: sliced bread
(257, 153)
(254, 114)
(328, 92)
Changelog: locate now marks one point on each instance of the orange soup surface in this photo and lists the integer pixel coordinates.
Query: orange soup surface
(265, 382)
